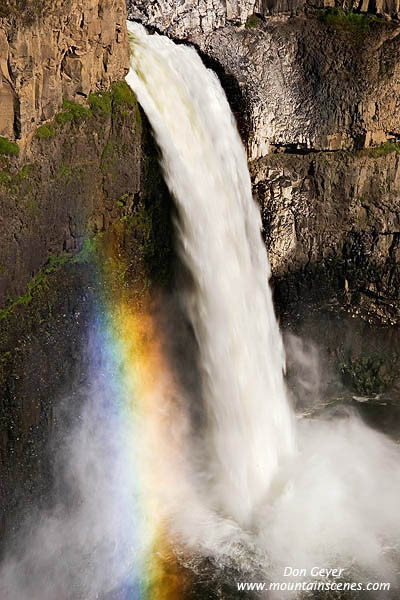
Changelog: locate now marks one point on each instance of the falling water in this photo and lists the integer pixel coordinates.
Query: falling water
(327, 495)
(249, 425)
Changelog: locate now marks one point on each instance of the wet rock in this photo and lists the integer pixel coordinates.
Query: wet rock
(331, 224)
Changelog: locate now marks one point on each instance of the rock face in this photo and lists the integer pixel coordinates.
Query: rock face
(75, 179)
(79, 185)
(182, 18)
(65, 188)
(305, 83)
(70, 49)
(307, 86)
(331, 223)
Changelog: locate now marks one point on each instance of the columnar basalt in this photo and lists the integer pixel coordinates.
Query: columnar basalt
(56, 49)
(71, 170)
(331, 223)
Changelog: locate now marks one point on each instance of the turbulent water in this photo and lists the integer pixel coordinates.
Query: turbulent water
(326, 496)
(249, 426)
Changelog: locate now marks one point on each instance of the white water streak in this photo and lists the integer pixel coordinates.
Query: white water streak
(249, 426)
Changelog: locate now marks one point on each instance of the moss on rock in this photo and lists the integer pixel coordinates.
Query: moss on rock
(45, 132)
(253, 21)
(8, 148)
(352, 22)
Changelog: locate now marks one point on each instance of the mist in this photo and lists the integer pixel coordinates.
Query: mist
(85, 544)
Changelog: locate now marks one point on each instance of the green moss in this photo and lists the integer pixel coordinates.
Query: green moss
(63, 117)
(100, 103)
(65, 170)
(124, 98)
(40, 283)
(122, 94)
(352, 22)
(108, 157)
(253, 21)
(13, 180)
(124, 199)
(36, 285)
(89, 250)
(118, 98)
(384, 149)
(368, 374)
(374, 151)
(8, 148)
(5, 356)
(72, 112)
(5, 178)
(78, 111)
(22, 174)
(45, 132)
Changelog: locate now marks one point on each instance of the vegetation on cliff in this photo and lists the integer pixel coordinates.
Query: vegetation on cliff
(119, 98)
(350, 21)
(8, 148)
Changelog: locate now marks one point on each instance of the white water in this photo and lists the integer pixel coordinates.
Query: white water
(328, 496)
(249, 424)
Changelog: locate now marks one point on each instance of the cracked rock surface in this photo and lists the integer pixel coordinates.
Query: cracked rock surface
(182, 18)
(306, 86)
(68, 50)
(332, 228)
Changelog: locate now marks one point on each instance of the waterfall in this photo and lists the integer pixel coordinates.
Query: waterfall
(298, 495)
(248, 418)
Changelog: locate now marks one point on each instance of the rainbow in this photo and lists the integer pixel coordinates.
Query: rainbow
(146, 395)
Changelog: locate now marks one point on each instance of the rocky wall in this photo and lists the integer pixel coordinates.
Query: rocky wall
(308, 85)
(331, 225)
(84, 181)
(183, 18)
(51, 50)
